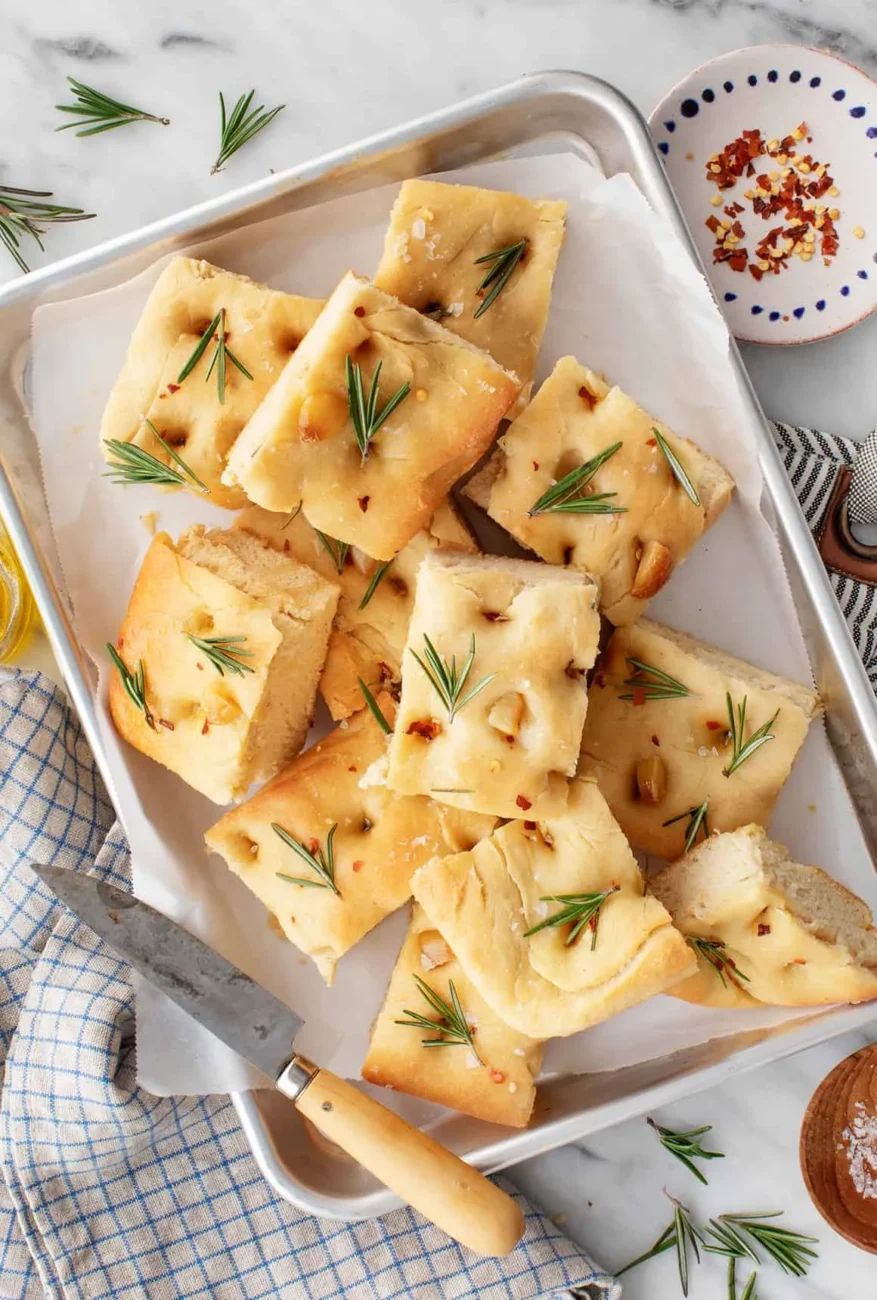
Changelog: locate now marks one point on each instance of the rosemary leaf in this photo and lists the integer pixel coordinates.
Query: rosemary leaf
(374, 582)
(134, 465)
(749, 1288)
(564, 497)
(134, 683)
(578, 911)
(681, 1235)
(677, 467)
(714, 953)
(452, 1026)
(742, 749)
(240, 126)
(502, 267)
(446, 681)
(323, 864)
(224, 652)
(697, 823)
(21, 215)
(99, 112)
(686, 1147)
(790, 1249)
(374, 708)
(649, 683)
(221, 355)
(364, 414)
(337, 550)
(666, 1241)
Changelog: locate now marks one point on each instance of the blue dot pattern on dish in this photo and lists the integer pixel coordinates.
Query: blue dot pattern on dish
(772, 75)
(820, 306)
(838, 95)
(708, 96)
(664, 147)
(774, 315)
(752, 79)
(858, 111)
(795, 76)
(798, 312)
(671, 126)
(863, 275)
(728, 87)
(871, 133)
(756, 310)
(845, 290)
(689, 108)
(815, 81)
(730, 297)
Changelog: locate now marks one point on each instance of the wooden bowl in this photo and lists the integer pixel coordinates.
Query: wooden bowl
(847, 1094)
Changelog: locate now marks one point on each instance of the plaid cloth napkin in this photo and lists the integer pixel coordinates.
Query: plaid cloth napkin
(113, 1194)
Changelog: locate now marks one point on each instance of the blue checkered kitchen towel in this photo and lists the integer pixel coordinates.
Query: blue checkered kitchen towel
(112, 1194)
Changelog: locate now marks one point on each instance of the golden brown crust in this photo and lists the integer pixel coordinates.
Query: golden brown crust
(574, 416)
(379, 843)
(263, 327)
(501, 1089)
(436, 234)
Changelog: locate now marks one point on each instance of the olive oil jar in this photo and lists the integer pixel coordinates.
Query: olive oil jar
(17, 612)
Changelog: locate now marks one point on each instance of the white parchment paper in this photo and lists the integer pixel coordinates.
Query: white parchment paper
(628, 301)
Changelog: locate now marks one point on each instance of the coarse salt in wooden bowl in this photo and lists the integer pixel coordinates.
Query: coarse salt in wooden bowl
(838, 1148)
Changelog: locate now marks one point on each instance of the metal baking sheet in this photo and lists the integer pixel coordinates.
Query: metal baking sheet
(546, 111)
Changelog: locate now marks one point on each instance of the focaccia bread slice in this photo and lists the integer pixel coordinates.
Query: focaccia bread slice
(301, 446)
(782, 932)
(492, 906)
(433, 255)
(365, 642)
(227, 712)
(263, 326)
(575, 417)
(511, 748)
(659, 750)
(378, 843)
(493, 1079)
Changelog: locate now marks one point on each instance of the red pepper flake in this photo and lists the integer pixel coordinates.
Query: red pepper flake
(712, 725)
(362, 502)
(427, 729)
(651, 442)
(205, 728)
(535, 464)
(639, 696)
(352, 767)
(173, 388)
(655, 741)
(497, 1076)
(523, 802)
(357, 865)
(529, 826)
(314, 846)
(763, 928)
(359, 311)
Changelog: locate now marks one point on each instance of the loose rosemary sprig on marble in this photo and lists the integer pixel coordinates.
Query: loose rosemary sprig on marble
(680, 1234)
(23, 213)
(337, 550)
(502, 267)
(374, 708)
(713, 952)
(222, 353)
(374, 582)
(99, 112)
(446, 680)
(133, 465)
(364, 414)
(742, 749)
(578, 911)
(224, 652)
(738, 1235)
(322, 864)
(564, 498)
(650, 683)
(686, 1147)
(697, 823)
(452, 1026)
(134, 683)
(240, 126)
(677, 467)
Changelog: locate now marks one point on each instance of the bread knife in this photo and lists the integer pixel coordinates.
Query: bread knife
(261, 1028)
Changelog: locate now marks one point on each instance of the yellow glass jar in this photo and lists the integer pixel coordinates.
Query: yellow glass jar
(17, 611)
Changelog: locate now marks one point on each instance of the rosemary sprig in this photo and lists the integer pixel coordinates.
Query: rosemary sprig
(375, 581)
(713, 952)
(322, 863)
(686, 1147)
(446, 681)
(224, 652)
(222, 353)
(649, 683)
(364, 414)
(698, 822)
(134, 683)
(791, 1250)
(21, 215)
(742, 749)
(502, 267)
(563, 497)
(452, 1026)
(679, 1233)
(135, 465)
(99, 112)
(677, 467)
(239, 127)
(374, 708)
(749, 1288)
(337, 550)
(578, 911)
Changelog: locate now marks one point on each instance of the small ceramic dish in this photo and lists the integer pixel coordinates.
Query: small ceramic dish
(774, 89)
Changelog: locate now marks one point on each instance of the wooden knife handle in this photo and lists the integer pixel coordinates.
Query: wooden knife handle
(456, 1197)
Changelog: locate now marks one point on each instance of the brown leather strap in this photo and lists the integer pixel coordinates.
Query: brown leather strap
(840, 550)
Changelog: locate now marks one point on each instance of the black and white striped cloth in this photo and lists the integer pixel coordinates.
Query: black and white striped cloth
(812, 459)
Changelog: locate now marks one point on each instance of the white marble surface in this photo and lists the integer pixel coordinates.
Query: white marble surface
(345, 70)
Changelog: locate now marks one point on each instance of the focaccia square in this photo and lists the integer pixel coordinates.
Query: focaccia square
(375, 600)
(301, 446)
(228, 707)
(768, 928)
(575, 417)
(510, 748)
(493, 904)
(496, 1081)
(262, 326)
(432, 249)
(660, 748)
(378, 843)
